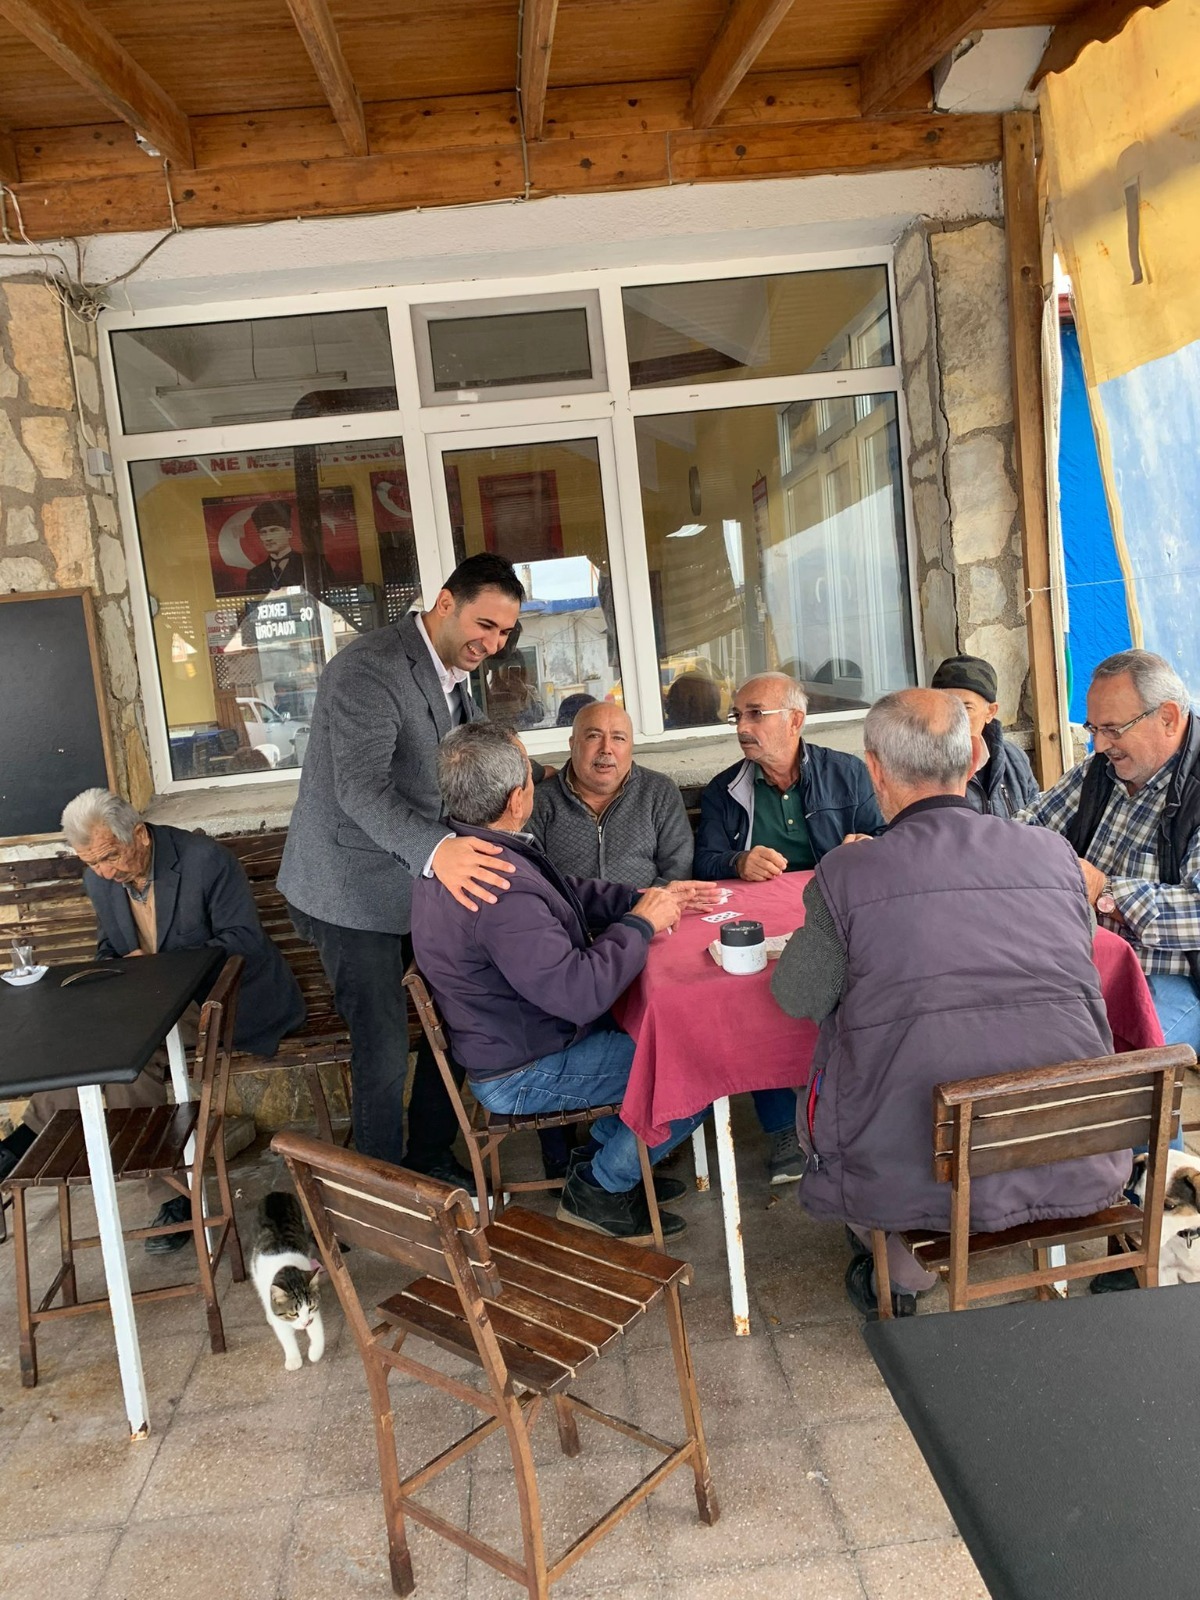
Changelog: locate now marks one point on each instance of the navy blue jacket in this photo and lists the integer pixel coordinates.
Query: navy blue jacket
(835, 791)
(202, 897)
(533, 973)
(1007, 784)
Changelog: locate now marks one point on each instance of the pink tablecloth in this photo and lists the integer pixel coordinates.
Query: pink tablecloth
(702, 1033)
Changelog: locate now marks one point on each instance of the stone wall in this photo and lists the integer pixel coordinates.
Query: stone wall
(58, 523)
(953, 311)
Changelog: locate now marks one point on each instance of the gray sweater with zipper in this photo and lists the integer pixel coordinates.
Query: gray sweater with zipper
(641, 838)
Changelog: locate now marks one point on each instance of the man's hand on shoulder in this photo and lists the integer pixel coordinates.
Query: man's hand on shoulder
(466, 867)
(659, 907)
(761, 864)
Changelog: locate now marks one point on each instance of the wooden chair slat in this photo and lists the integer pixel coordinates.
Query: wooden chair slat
(167, 1154)
(1059, 1094)
(988, 1094)
(569, 1292)
(632, 1258)
(1015, 1157)
(452, 1333)
(507, 1242)
(536, 1337)
(62, 1150)
(595, 1332)
(1097, 1110)
(933, 1250)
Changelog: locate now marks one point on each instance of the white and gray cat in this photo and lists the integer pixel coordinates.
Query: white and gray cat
(284, 1270)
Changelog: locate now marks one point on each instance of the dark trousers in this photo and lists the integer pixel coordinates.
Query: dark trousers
(365, 970)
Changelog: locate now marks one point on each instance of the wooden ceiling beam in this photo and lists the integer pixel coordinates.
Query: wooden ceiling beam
(623, 158)
(537, 40)
(319, 36)
(1096, 25)
(739, 42)
(67, 32)
(930, 31)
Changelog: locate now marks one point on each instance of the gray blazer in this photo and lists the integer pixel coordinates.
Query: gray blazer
(369, 812)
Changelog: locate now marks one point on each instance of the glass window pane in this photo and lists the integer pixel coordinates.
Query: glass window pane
(711, 332)
(542, 506)
(260, 566)
(216, 374)
(523, 347)
(775, 538)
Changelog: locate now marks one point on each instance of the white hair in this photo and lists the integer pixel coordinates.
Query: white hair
(1155, 681)
(98, 808)
(795, 697)
(900, 737)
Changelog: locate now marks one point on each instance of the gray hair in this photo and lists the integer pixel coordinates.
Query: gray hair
(98, 808)
(795, 696)
(479, 764)
(1154, 680)
(911, 748)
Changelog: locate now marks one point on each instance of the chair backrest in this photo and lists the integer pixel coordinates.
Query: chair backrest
(427, 1015)
(45, 901)
(214, 1047)
(1047, 1114)
(354, 1199)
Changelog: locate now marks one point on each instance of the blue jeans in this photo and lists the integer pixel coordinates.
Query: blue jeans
(593, 1072)
(1178, 1006)
(776, 1109)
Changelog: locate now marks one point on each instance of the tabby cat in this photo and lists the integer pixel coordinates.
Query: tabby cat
(284, 1271)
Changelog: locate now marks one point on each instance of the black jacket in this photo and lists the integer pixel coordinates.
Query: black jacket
(835, 791)
(202, 897)
(1007, 784)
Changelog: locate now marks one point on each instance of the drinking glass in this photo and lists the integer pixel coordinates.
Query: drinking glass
(22, 959)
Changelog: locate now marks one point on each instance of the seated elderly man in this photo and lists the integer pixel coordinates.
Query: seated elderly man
(1004, 780)
(158, 888)
(524, 984)
(779, 810)
(904, 961)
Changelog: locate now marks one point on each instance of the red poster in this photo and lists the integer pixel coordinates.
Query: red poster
(254, 542)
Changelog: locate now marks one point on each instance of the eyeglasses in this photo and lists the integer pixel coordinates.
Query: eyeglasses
(1115, 730)
(754, 714)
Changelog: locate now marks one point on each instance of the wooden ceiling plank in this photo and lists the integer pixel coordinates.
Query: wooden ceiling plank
(930, 31)
(67, 32)
(1096, 25)
(537, 40)
(319, 36)
(739, 41)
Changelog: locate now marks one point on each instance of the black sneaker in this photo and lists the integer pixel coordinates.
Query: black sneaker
(860, 1287)
(620, 1216)
(786, 1163)
(177, 1210)
(445, 1169)
(1114, 1282)
(14, 1147)
(664, 1188)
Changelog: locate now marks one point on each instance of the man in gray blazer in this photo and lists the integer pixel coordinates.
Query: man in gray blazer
(368, 821)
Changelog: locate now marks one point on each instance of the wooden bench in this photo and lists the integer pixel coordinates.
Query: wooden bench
(45, 901)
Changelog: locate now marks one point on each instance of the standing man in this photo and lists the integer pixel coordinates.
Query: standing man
(780, 810)
(603, 816)
(1131, 812)
(368, 821)
(1004, 783)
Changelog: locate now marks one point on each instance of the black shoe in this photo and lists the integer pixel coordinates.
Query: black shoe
(445, 1169)
(664, 1188)
(1114, 1282)
(177, 1210)
(860, 1287)
(620, 1216)
(14, 1147)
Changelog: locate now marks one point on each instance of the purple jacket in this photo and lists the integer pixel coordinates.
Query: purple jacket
(533, 973)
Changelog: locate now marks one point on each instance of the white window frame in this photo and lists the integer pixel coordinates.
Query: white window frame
(425, 430)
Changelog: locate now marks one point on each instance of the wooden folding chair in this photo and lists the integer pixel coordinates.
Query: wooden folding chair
(146, 1142)
(1034, 1118)
(532, 1302)
(485, 1131)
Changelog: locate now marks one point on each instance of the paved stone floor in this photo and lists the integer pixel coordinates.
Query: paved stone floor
(260, 1484)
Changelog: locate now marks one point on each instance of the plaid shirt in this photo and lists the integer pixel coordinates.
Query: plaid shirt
(1160, 920)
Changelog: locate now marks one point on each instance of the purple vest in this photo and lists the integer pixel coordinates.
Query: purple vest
(969, 952)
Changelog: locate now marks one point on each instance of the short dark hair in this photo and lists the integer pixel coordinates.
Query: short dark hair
(480, 572)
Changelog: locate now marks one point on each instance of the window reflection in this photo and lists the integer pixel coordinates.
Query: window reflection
(775, 542)
(261, 565)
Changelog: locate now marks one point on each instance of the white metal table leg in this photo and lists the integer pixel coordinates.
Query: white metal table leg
(700, 1157)
(1056, 1256)
(116, 1268)
(732, 1211)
